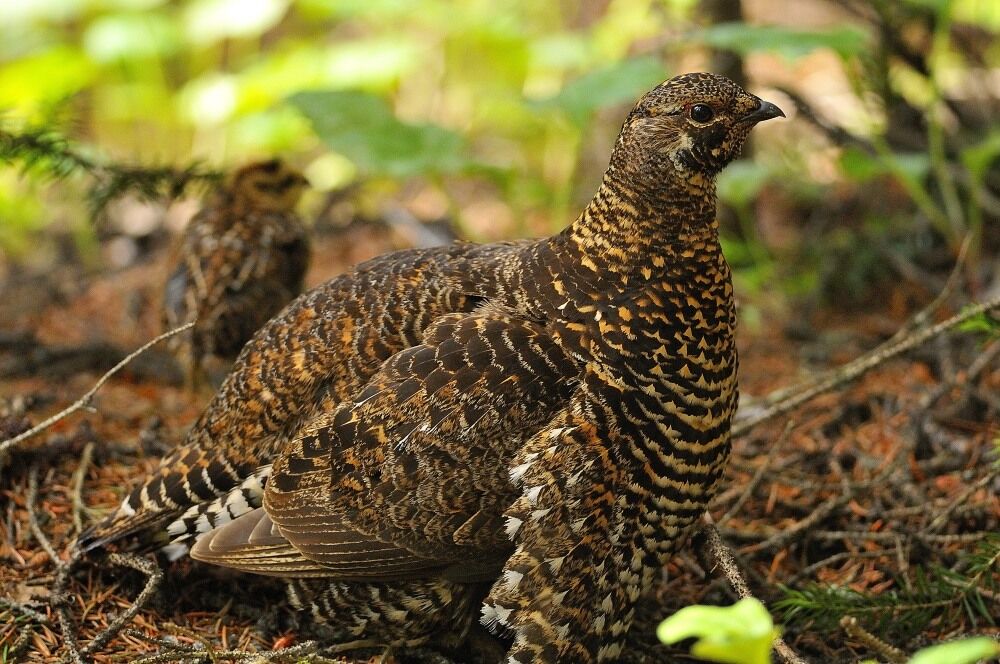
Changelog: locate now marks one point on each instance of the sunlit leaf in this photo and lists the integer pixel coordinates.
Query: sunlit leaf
(30, 84)
(127, 36)
(965, 651)
(372, 64)
(362, 127)
(622, 82)
(981, 13)
(15, 12)
(737, 634)
(211, 20)
(275, 130)
(209, 100)
(344, 8)
(846, 41)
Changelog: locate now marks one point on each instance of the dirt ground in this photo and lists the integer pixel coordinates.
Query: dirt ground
(878, 488)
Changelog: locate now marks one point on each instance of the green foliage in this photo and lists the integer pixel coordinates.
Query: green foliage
(931, 596)
(738, 634)
(609, 86)
(965, 651)
(362, 127)
(983, 324)
(41, 151)
(861, 166)
(847, 41)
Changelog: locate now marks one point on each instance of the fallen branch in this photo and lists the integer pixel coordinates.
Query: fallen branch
(307, 651)
(33, 524)
(772, 453)
(84, 401)
(808, 390)
(154, 576)
(717, 554)
(78, 476)
(872, 642)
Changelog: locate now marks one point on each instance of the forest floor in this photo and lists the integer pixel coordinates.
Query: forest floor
(887, 488)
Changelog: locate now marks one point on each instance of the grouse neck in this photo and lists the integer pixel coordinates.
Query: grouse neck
(628, 228)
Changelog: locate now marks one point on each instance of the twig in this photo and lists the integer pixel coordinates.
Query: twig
(60, 602)
(837, 134)
(154, 575)
(922, 317)
(84, 401)
(872, 642)
(798, 395)
(772, 453)
(830, 560)
(20, 646)
(891, 538)
(24, 610)
(941, 518)
(719, 555)
(786, 535)
(36, 529)
(78, 476)
(307, 651)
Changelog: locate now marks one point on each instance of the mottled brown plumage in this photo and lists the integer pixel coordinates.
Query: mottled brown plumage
(241, 259)
(538, 423)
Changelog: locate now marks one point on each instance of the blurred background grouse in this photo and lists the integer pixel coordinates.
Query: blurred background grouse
(240, 260)
(522, 432)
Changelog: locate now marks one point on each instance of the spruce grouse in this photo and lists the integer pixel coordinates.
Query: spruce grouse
(240, 260)
(522, 431)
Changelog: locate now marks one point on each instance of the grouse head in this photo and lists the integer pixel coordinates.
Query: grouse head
(270, 185)
(689, 126)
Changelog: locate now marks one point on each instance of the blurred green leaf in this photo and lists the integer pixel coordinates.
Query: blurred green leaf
(211, 20)
(861, 166)
(981, 13)
(742, 180)
(978, 158)
(982, 324)
(363, 128)
(30, 84)
(847, 41)
(619, 83)
(210, 99)
(965, 651)
(738, 634)
(129, 36)
(39, 10)
(933, 5)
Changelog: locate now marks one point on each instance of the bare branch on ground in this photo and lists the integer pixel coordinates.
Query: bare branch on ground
(84, 401)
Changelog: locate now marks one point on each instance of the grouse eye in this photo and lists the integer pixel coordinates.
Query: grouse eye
(701, 113)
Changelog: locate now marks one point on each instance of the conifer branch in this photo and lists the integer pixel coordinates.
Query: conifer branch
(42, 150)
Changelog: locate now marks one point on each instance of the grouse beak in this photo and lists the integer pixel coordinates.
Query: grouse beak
(765, 111)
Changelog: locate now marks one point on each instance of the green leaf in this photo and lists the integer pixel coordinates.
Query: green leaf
(737, 634)
(861, 166)
(362, 127)
(978, 158)
(740, 183)
(965, 651)
(981, 324)
(846, 41)
(622, 82)
(30, 84)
